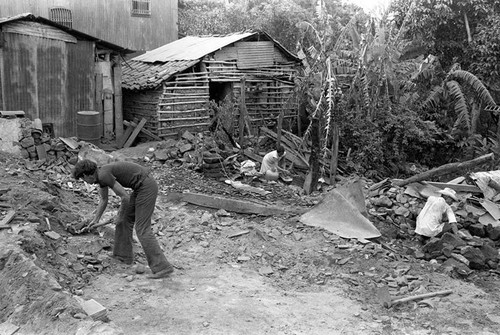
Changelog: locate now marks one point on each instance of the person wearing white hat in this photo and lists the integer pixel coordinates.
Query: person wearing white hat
(430, 220)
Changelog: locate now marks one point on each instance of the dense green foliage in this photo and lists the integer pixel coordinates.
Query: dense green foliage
(415, 86)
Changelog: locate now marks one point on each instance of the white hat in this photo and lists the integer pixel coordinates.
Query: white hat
(449, 192)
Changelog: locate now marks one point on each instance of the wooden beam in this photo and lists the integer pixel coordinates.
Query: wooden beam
(10, 215)
(457, 187)
(121, 141)
(117, 83)
(135, 133)
(241, 124)
(444, 169)
(98, 101)
(232, 205)
(143, 130)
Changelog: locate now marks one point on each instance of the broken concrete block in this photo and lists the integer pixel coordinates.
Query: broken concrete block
(161, 155)
(188, 136)
(452, 240)
(185, 147)
(490, 253)
(475, 257)
(477, 229)
(206, 218)
(460, 258)
(8, 328)
(494, 233)
(383, 201)
(266, 270)
(52, 234)
(464, 234)
(434, 245)
(94, 309)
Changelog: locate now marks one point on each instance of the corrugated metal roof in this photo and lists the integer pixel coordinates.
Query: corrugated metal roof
(149, 70)
(139, 75)
(190, 48)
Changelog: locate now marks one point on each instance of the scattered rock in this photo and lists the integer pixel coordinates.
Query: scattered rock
(475, 257)
(52, 234)
(140, 269)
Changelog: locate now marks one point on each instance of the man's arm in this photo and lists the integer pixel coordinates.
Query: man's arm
(103, 203)
(450, 215)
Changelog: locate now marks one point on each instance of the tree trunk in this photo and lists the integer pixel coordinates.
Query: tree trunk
(445, 169)
(335, 154)
(311, 182)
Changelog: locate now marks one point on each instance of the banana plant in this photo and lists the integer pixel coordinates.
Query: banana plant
(463, 94)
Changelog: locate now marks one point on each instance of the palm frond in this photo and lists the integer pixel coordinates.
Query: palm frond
(344, 31)
(434, 98)
(460, 104)
(475, 83)
(366, 91)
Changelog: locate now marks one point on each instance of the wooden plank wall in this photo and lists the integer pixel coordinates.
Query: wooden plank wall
(268, 90)
(143, 104)
(184, 104)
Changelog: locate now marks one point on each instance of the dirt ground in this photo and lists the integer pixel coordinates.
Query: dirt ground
(235, 274)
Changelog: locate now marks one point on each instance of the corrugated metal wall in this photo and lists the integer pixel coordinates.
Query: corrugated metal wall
(80, 80)
(48, 79)
(100, 18)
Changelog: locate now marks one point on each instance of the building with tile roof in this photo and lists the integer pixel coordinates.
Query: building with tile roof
(174, 86)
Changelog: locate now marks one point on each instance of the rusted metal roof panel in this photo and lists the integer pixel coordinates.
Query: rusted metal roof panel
(140, 75)
(191, 48)
(255, 54)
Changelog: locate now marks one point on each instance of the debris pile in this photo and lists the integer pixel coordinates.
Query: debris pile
(475, 246)
(198, 152)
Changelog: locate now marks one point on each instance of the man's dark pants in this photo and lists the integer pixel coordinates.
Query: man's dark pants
(139, 211)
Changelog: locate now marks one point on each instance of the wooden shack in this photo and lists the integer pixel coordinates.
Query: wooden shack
(51, 72)
(172, 86)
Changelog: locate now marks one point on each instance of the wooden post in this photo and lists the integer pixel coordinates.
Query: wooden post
(241, 124)
(98, 100)
(108, 112)
(335, 153)
(313, 175)
(279, 127)
(117, 83)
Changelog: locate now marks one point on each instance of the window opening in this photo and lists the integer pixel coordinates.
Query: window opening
(62, 16)
(141, 7)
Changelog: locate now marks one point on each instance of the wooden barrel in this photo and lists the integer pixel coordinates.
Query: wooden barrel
(88, 127)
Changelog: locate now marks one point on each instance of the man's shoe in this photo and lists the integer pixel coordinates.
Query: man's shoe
(162, 274)
(128, 261)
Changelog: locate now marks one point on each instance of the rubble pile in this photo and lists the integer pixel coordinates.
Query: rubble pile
(198, 152)
(38, 145)
(475, 246)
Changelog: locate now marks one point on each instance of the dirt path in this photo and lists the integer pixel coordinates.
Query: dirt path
(214, 299)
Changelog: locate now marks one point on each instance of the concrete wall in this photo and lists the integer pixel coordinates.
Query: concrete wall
(10, 133)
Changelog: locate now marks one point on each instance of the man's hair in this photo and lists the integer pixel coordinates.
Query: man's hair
(84, 167)
(280, 149)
